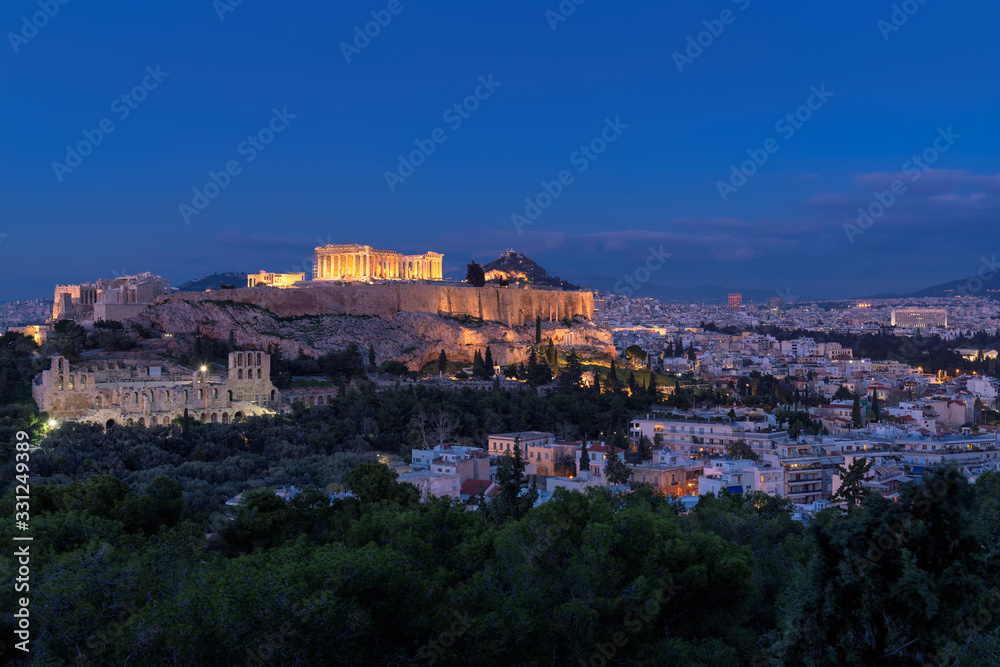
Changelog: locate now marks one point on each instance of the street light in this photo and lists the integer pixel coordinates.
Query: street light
(52, 423)
(204, 369)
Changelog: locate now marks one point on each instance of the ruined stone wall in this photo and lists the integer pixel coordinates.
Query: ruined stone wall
(129, 394)
(511, 307)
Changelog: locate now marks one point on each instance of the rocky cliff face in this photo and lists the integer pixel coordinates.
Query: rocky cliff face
(413, 338)
(510, 307)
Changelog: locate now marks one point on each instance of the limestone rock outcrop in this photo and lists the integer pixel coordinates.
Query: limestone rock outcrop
(413, 338)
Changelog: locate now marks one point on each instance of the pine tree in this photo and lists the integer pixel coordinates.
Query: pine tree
(611, 382)
(488, 362)
(633, 388)
(474, 274)
(851, 488)
(442, 363)
(571, 377)
(615, 471)
(644, 449)
(651, 389)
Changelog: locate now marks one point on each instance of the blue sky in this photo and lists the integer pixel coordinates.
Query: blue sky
(554, 91)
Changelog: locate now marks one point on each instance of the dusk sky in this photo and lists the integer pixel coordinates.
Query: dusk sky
(211, 83)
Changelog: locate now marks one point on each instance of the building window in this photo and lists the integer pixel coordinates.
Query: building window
(239, 374)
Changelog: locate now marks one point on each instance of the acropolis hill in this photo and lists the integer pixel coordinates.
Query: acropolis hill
(510, 307)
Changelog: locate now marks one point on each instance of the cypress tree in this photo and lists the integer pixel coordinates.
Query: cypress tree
(442, 362)
(488, 362)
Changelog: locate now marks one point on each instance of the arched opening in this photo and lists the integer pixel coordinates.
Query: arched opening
(215, 393)
(60, 384)
(225, 417)
(98, 403)
(238, 416)
(204, 417)
(185, 395)
(110, 423)
(258, 360)
(136, 398)
(258, 373)
(249, 360)
(72, 384)
(319, 400)
(239, 359)
(130, 422)
(215, 418)
(152, 421)
(272, 395)
(239, 374)
(142, 421)
(83, 382)
(312, 401)
(230, 392)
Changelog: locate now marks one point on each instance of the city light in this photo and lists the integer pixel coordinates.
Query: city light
(204, 369)
(52, 423)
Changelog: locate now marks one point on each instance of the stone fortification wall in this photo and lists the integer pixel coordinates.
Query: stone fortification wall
(511, 307)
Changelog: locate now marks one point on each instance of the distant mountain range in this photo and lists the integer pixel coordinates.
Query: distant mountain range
(213, 282)
(972, 286)
(516, 267)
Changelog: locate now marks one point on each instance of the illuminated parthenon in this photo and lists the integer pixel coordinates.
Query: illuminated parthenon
(362, 262)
